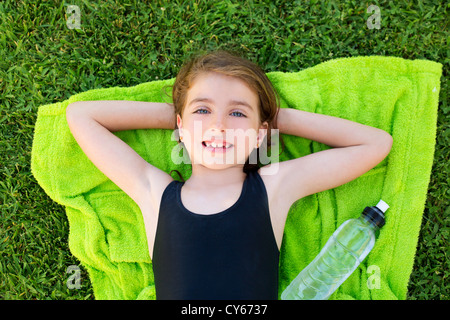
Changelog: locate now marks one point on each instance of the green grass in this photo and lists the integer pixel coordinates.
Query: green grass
(42, 61)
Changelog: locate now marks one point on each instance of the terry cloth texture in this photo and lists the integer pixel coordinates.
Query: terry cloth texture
(397, 95)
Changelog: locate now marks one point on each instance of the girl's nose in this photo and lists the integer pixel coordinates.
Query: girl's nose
(218, 123)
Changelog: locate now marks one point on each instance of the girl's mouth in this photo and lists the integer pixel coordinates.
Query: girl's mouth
(217, 146)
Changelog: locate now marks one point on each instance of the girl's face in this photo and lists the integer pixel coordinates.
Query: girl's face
(220, 121)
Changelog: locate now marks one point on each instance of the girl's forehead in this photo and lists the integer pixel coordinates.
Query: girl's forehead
(210, 76)
(214, 87)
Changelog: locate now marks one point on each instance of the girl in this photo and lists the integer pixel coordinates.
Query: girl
(217, 235)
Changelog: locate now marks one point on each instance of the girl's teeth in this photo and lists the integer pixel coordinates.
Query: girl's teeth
(217, 145)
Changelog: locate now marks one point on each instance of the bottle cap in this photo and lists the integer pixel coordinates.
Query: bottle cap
(376, 214)
(383, 206)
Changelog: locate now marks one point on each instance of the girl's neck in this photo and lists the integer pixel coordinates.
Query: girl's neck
(206, 178)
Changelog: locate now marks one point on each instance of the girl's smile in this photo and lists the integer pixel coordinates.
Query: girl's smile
(219, 146)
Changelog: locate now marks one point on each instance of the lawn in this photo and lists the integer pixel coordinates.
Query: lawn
(45, 58)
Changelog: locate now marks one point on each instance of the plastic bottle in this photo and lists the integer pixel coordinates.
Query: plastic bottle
(341, 255)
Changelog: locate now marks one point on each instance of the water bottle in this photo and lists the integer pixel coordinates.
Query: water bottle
(341, 255)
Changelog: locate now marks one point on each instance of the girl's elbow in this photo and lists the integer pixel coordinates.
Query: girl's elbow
(76, 110)
(385, 143)
(388, 139)
(70, 113)
(72, 110)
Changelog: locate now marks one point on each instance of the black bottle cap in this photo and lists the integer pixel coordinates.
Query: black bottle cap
(376, 214)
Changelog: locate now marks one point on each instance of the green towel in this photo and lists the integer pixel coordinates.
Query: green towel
(397, 95)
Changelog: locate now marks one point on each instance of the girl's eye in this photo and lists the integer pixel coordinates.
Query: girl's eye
(234, 113)
(238, 114)
(201, 111)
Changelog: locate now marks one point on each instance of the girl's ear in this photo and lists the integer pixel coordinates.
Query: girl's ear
(179, 122)
(180, 126)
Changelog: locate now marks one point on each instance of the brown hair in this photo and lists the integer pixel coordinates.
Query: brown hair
(230, 64)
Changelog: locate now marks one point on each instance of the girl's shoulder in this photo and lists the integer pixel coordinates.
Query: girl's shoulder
(283, 181)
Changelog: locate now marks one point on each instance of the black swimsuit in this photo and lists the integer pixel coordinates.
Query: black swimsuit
(228, 255)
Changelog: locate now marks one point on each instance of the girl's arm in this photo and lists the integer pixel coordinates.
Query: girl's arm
(356, 149)
(118, 115)
(92, 124)
(332, 131)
